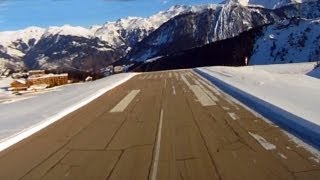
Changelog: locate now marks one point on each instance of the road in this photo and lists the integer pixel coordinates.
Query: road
(161, 125)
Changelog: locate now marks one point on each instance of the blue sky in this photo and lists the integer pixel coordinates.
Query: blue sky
(18, 14)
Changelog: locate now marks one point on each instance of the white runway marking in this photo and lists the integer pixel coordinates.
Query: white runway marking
(209, 86)
(176, 75)
(203, 98)
(165, 83)
(123, 104)
(234, 116)
(263, 142)
(210, 94)
(143, 77)
(185, 81)
(157, 150)
(174, 90)
(170, 75)
(225, 108)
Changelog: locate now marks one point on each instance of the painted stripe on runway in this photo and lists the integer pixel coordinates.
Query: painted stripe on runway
(165, 83)
(174, 90)
(157, 150)
(184, 79)
(123, 104)
(208, 85)
(233, 115)
(176, 75)
(263, 142)
(209, 93)
(203, 98)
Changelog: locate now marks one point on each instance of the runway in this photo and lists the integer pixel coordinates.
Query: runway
(160, 125)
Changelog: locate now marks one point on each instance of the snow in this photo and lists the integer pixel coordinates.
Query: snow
(20, 119)
(4, 85)
(14, 52)
(68, 30)
(111, 31)
(7, 37)
(314, 73)
(286, 91)
(286, 86)
(153, 59)
(288, 41)
(270, 4)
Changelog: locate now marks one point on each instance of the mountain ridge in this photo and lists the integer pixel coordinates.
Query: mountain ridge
(138, 39)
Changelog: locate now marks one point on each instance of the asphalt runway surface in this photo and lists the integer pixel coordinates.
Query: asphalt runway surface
(160, 125)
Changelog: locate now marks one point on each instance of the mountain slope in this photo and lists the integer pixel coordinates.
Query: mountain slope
(222, 22)
(72, 47)
(295, 40)
(197, 29)
(228, 52)
(271, 4)
(138, 39)
(290, 41)
(68, 52)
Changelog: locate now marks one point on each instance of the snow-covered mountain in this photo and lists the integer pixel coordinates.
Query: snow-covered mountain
(138, 39)
(295, 40)
(128, 31)
(269, 4)
(210, 25)
(67, 43)
(16, 43)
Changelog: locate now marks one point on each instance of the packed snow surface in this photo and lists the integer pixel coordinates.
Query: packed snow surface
(4, 85)
(286, 86)
(20, 119)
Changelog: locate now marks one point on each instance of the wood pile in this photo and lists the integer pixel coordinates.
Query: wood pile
(19, 85)
(50, 80)
(36, 73)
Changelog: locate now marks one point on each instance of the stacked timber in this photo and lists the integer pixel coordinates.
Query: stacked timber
(51, 80)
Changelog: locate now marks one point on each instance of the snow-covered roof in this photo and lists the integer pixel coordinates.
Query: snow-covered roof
(22, 81)
(49, 76)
